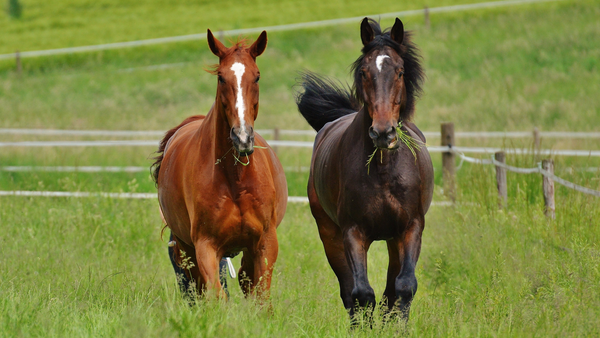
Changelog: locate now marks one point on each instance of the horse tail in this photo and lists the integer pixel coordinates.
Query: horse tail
(155, 167)
(324, 100)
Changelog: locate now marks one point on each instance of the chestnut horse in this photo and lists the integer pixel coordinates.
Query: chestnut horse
(354, 205)
(217, 194)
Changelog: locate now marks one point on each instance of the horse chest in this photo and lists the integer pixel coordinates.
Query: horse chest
(380, 205)
(237, 210)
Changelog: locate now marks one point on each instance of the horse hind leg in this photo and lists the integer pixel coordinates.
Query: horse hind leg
(184, 264)
(223, 275)
(389, 295)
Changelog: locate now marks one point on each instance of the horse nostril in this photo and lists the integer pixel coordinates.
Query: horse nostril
(233, 135)
(373, 134)
(391, 133)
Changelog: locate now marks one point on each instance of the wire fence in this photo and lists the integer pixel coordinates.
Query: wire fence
(107, 169)
(131, 133)
(535, 170)
(300, 144)
(460, 151)
(297, 132)
(133, 195)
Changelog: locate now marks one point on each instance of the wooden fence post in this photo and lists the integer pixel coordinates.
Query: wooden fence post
(448, 163)
(501, 180)
(426, 13)
(548, 186)
(18, 60)
(276, 138)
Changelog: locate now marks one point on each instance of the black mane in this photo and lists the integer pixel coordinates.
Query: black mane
(413, 71)
(325, 100)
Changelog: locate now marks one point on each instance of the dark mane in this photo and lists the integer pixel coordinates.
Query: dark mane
(155, 167)
(413, 70)
(323, 100)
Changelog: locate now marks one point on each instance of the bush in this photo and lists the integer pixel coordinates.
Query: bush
(14, 9)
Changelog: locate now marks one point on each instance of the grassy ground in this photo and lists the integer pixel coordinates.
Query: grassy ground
(518, 67)
(98, 267)
(58, 24)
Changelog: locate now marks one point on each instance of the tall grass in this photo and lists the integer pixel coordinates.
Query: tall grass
(99, 267)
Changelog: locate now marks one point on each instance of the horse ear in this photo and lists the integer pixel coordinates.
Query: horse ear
(215, 45)
(397, 32)
(366, 32)
(259, 46)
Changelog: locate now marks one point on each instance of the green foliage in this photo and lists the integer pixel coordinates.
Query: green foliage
(14, 9)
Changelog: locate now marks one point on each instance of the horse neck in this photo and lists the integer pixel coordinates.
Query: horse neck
(359, 130)
(216, 129)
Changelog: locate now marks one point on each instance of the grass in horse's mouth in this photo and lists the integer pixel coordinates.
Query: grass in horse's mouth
(237, 157)
(408, 140)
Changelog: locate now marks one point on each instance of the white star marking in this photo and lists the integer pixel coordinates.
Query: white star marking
(379, 61)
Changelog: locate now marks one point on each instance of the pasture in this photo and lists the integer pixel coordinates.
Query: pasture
(98, 267)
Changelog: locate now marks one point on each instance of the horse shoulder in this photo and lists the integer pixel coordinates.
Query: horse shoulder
(279, 180)
(326, 164)
(425, 167)
(415, 131)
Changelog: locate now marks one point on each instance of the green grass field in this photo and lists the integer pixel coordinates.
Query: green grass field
(98, 267)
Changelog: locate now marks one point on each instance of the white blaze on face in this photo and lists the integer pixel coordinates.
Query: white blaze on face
(239, 69)
(379, 61)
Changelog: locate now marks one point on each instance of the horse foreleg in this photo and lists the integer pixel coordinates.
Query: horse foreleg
(356, 247)
(208, 268)
(409, 247)
(333, 243)
(257, 265)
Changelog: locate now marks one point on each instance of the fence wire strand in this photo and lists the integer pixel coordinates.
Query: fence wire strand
(537, 170)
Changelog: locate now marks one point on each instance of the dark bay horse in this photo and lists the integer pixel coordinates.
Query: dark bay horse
(354, 205)
(217, 194)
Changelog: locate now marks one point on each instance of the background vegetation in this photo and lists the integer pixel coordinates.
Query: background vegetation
(98, 267)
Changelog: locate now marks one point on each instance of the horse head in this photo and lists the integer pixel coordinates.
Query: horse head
(380, 83)
(237, 89)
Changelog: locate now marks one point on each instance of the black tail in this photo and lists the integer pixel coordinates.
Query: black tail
(324, 100)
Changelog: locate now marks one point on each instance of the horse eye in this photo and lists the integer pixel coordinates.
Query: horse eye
(221, 79)
(400, 74)
(362, 74)
(257, 78)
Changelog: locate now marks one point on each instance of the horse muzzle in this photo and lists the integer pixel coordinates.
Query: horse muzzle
(243, 140)
(384, 139)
